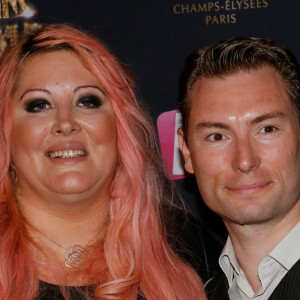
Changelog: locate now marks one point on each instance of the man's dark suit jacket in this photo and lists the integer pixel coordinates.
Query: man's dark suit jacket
(289, 287)
(202, 252)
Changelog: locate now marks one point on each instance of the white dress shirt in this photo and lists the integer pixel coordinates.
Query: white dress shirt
(271, 270)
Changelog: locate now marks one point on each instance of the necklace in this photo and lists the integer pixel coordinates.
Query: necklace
(75, 256)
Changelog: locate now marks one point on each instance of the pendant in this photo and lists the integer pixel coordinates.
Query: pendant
(76, 257)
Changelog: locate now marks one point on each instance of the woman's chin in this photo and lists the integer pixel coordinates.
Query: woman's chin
(71, 184)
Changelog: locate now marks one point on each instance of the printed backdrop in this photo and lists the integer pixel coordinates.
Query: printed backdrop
(153, 37)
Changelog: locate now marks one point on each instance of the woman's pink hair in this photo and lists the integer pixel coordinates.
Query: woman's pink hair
(136, 256)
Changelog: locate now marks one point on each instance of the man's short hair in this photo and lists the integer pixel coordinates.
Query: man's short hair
(231, 56)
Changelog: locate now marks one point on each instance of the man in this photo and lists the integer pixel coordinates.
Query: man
(241, 138)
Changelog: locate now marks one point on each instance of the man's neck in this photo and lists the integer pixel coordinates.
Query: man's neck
(253, 242)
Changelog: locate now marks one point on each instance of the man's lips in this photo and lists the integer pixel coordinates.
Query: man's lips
(247, 189)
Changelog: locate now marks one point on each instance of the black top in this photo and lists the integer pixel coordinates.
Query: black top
(49, 291)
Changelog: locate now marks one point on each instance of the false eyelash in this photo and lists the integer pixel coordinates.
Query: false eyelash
(90, 101)
(32, 105)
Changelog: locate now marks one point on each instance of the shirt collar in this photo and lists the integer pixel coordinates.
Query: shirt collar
(287, 253)
(228, 261)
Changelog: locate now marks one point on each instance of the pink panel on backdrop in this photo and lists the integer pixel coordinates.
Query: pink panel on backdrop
(167, 124)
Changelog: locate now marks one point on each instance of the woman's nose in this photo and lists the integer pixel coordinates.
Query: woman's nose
(65, 123)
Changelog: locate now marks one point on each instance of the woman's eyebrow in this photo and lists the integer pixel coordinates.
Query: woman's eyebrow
(35, 90)
(89, 86)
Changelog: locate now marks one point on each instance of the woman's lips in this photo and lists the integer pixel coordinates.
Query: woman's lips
(248, 189)
(68, 152)
(66, 146)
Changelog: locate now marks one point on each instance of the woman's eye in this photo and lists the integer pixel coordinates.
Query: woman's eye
(216, 137)
(268, 129)
(89, 101)
(37, 105)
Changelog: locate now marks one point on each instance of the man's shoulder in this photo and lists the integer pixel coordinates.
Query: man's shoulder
(289, 286)
(217, 287)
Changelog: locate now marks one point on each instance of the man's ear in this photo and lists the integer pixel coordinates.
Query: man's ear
(185, 151)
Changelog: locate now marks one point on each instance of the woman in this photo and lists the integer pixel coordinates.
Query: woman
(82, 188)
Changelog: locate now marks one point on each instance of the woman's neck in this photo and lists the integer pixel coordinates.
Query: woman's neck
(66, 222)
(61, 235)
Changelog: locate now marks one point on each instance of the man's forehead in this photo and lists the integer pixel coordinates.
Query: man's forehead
(242, 96)
(238, 73)
(266, 82)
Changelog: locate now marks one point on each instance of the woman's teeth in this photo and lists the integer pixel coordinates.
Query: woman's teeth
(66, 154)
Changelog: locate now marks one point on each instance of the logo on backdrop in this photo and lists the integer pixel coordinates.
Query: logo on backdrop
(15, 18)
(167, 125)
(219, 12)
(11, 8)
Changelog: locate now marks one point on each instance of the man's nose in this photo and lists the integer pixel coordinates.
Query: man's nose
(246, 157)
(65, 123)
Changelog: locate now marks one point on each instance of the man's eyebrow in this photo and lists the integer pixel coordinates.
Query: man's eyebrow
(35, 90)
(203, 125)
(219, 125)
(89, 86)
(267, 117)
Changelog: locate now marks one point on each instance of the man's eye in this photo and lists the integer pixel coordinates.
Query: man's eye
(268, 129)
(37, 105)
(216, 137)
(89, 101)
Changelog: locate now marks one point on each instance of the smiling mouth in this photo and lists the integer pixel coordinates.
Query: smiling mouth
(249, 188)
(66, 154)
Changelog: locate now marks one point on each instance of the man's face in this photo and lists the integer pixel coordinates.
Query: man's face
(243, 146)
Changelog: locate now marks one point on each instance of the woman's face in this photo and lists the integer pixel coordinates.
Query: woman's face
(64, 137)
